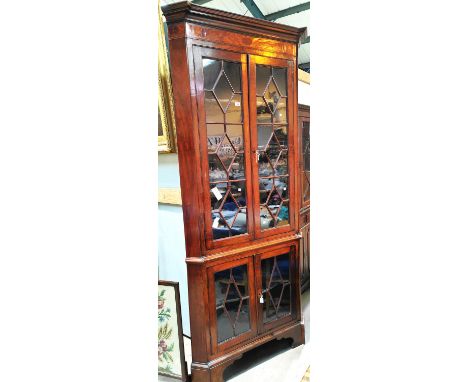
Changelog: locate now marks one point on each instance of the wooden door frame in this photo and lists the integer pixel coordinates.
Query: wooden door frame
(293, 164)
(224, 346)
(293, 275)
(199, 53)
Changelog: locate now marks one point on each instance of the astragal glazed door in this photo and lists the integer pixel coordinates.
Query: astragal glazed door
(232, 303)
(222, 98)
(276, 281)
(272, 126)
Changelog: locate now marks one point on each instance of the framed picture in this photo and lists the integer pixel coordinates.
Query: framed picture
(166, 119)
(171, 354)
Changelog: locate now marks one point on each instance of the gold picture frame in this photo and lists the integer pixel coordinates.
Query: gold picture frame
(166, 118)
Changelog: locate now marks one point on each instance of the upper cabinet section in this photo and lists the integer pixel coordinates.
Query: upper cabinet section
(235, 90)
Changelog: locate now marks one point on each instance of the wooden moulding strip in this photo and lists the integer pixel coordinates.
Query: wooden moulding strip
(282, 331)
(170, 196)
(192, 13)
(245, 249)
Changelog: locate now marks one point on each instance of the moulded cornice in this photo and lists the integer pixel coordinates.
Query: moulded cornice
(186, 11)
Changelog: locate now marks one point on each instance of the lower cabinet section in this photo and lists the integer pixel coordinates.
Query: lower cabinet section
(252, 295)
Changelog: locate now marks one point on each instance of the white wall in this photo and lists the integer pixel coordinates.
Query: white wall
(303, 93)
(171, 254)
(168, 170)
(171, 243)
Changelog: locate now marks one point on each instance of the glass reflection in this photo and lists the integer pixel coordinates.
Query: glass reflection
(263, 75)
(234, 111)
(279, 74)
(229, 212)
(226, 157)
(211, 71)
(223, 91)
(233, 73)
(232, 302)
(271, 94)
(272, 146)
(279, 115)
(282, 135)
(276, 287)
(213, 111)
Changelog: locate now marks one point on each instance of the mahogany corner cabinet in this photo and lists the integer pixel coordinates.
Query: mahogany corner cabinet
(235, 94)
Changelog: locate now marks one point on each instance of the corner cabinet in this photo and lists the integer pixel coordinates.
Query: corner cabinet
(235, 91)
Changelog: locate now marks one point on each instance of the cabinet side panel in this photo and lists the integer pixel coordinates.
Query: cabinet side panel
(199, 312)
(187, 140)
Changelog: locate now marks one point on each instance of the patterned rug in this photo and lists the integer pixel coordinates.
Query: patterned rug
(306, 377)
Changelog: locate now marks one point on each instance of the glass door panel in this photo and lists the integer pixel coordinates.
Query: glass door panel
(232, 303)
(272, 145)
(276, 287)
(221, 96)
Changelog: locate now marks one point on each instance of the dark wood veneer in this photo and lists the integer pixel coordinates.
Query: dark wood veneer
(196, 32)
(194, 14)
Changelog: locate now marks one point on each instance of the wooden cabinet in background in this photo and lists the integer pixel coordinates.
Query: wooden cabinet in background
(235, 92)
(304, 171)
